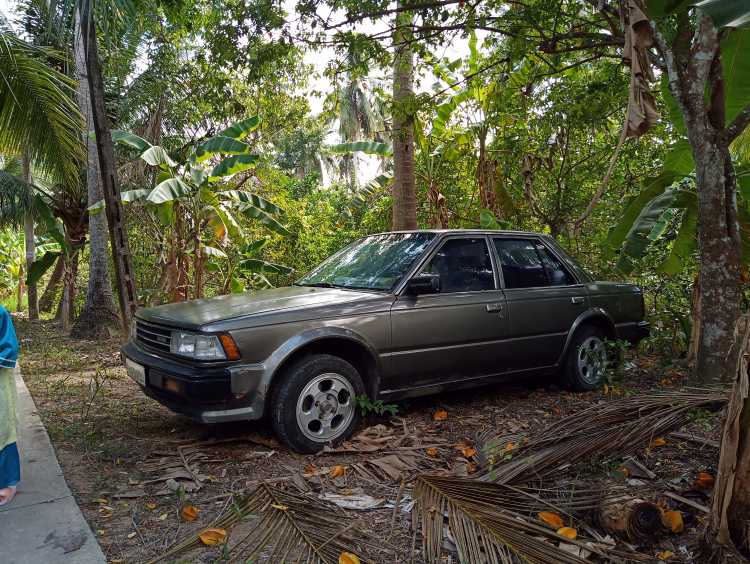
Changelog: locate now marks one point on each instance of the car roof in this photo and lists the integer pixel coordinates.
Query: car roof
(465, 232)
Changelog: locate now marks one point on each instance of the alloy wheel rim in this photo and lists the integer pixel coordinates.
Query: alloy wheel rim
(591, 360)
(325, 407)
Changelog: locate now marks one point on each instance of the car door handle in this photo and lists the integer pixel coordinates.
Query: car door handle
(578, 300)
(492, 308)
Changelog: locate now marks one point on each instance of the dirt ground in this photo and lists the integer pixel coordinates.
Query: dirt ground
(117, 448)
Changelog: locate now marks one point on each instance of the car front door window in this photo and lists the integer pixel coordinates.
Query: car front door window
(464, 265)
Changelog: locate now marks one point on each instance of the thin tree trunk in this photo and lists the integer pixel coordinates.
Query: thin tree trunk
(28, 231)
(404, 193)
(118, 235)
(53, 286)
(99, 318)
(19, 302)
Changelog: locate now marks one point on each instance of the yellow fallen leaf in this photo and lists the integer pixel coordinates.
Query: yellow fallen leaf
(336, 472)
(674, 521)
(100, 500)
(569, 532)
(101, 533)
(280, 507)
(348, 558)
(624, 471)
(606, 388)
(468, 452)
(309, 468)
(213, 536)
(438, 415)
(705, 480)
(162, 517)
(131, 535)
(664, 555)
(118, 560)
(510, 446)
(346, 492)
(190, 513)
(432, 452)
(551, 519)
(105, 516)
(658, 442)
(151, 505)
(125, 505)
(107, 508)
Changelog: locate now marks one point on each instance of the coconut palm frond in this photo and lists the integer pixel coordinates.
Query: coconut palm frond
(38, 112)
(607, 431)
(16, 199)
(490, 523)
(281, 526)
(740, 147)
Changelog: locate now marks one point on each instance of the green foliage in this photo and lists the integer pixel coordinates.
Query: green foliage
(377, 407)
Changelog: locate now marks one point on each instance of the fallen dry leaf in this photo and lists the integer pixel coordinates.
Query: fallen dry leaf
(337, 471)
(213, 536)
(99, 501)
(432, 452)
(190, 513)
(151, 505)
(674, 521)
(569, 532)
(510, 446)
(440, 415)
(667, 383)
(645, 364)
(557, 410)
(461, 444)
(469, 467)
(131, 535)
(624, 471)
(540, 390)
(568, 394)
(551, 519)
(161, 518)
(658, 442)
(116, 561)
(101, 533)
(606, 389)
(348, 558)
(346, 492)
(664, 555)
(705, 480)
(280, 507)
(468, 452)
(309, 468)
(585, 396)
(674, 373)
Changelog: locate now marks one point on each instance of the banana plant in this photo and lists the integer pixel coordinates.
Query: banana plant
(12, 260)
(196, 196)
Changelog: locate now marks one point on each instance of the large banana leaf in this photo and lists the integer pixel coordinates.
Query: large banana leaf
(362, 193)
(255, 200)
(233, 165)
(157, 156)
(40, 266)
(368, 147)
(169, 190)
(727, 13)
(53, 227)
(735, 56)
(686, 242)
(125, 138)
(240, 129)
(219, 145)
(257, 265)
(680, 158)
(260, 216)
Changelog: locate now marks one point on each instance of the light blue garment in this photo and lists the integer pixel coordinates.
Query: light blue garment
(8, 341)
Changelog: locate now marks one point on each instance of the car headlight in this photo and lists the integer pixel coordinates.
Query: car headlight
(202, 347)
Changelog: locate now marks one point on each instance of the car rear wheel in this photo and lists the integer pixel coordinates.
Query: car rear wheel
(314, 403)
(586, 361)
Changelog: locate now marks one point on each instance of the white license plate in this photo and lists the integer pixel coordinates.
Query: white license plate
(136, 371)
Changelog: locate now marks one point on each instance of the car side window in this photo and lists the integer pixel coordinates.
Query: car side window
(520, 263)
(464, 265)
(557, 273)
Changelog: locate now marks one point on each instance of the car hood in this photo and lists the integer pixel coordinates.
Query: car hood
(193, 314)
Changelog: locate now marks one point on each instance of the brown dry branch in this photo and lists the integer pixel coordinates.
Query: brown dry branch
(606, 431)
(285, 527)
(494, 523)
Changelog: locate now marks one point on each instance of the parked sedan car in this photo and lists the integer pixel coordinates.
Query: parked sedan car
(392, 316)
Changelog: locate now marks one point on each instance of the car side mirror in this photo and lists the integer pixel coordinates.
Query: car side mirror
(426, 284)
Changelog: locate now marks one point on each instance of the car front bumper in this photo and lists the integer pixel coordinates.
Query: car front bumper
(207, 395)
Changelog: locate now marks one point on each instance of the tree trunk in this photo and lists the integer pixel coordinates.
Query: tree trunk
(28, 231)
(198, 267)
(630, 519)
(19, 303)
(404, 194)
(729, 524)
(118, 235)
(99, 318)
(53, 286)
(66, 309)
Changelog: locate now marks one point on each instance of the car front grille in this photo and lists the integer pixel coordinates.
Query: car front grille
(153, 336)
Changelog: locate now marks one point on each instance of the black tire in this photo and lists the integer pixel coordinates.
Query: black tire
(314, 403)
(586, 360)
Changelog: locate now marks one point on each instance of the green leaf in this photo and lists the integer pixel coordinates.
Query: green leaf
(254, 246)
(261, 217)
(263, 284)
(213, 252)
(673, 110)
(743, 180)
(255, 200)
(169, 190)
(165, 212)
(39, 267)
(157, 156)
(362, 193)
(662, 8)
(735, 56)
(211, 267)
(233, 165)
(240, 129)
(257, 265)
(727, 13)
(487, 220)
(163, 175)
(474, 54)
(219, 145)
(686, 242)
(125, 138)
(237, 286)
(132, 195)
(97, 207)
(199, 176)
(368, 147)
(680, 158)
(53, 227)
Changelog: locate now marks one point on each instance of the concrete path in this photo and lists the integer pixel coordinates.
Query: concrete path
(43, 524)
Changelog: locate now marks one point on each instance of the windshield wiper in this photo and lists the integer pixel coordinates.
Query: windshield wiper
(323, 285)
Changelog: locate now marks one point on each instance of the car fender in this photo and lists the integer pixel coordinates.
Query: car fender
(594, 312)
(261, 376)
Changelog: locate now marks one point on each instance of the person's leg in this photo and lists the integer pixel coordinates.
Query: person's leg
(10, 472)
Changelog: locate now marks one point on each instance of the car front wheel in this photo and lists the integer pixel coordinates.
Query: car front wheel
(586, 361)
(314, 403)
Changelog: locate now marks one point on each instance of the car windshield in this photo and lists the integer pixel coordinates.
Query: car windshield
(373, 263)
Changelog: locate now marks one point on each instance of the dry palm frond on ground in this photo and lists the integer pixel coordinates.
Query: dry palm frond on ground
(493, 522)
(604, 431)
(284, 527)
